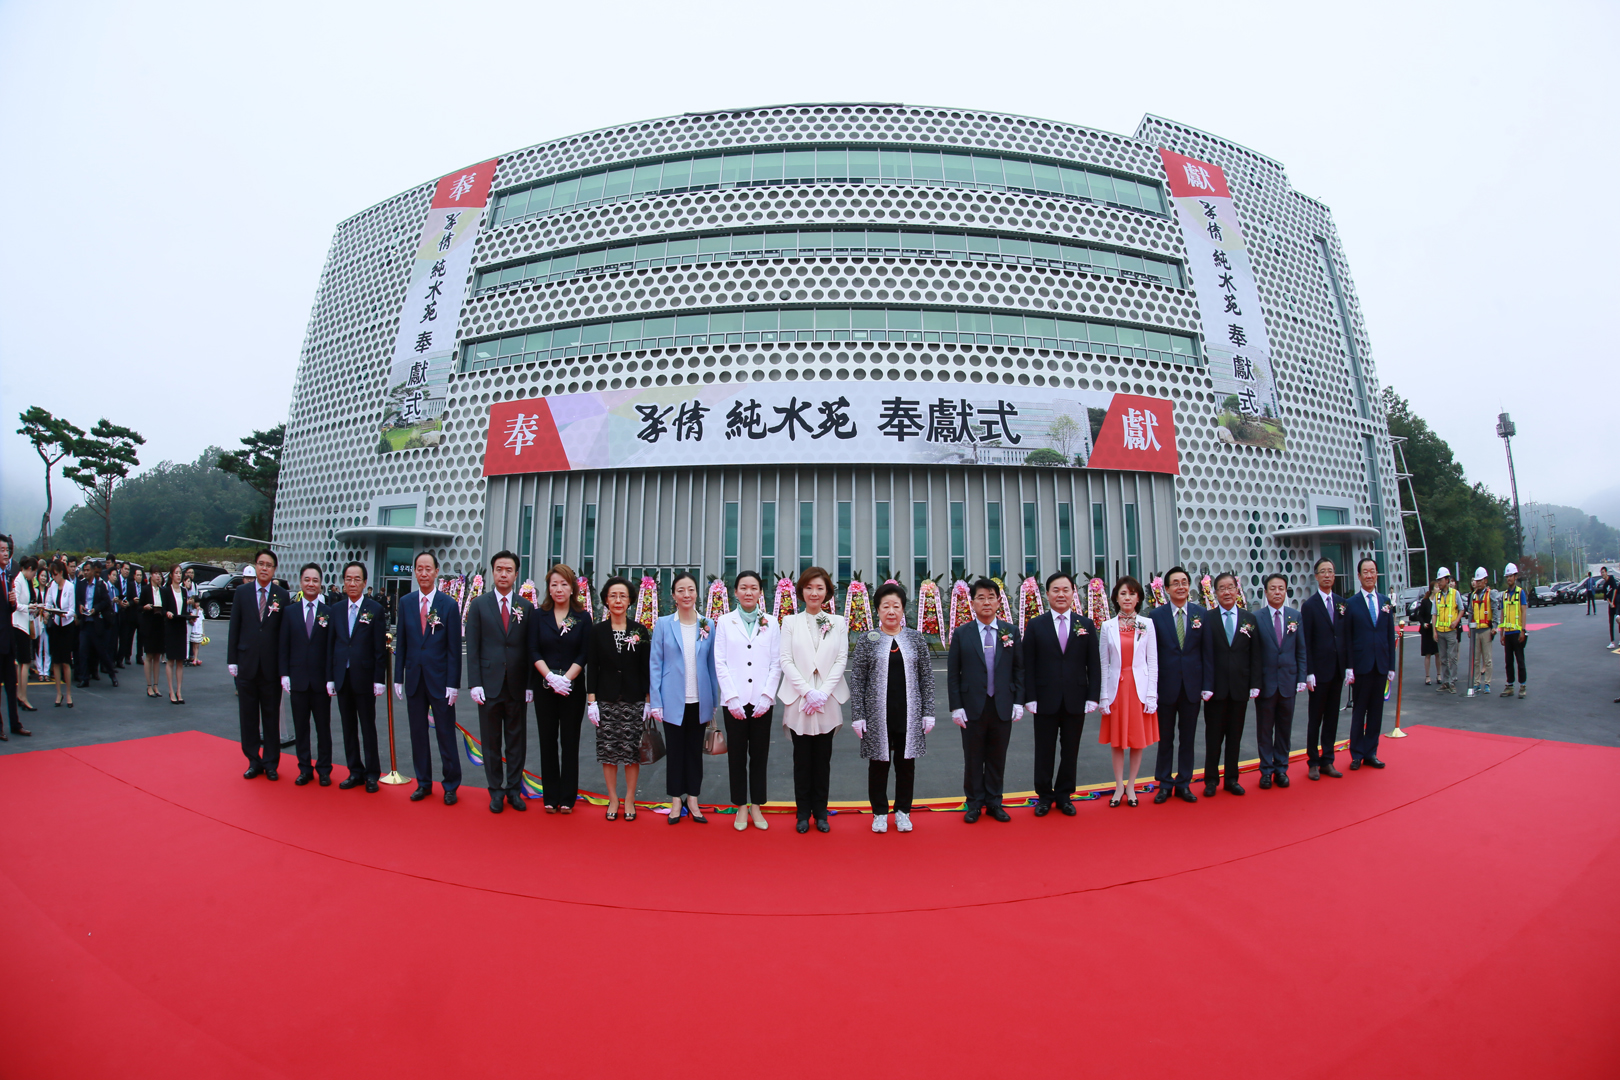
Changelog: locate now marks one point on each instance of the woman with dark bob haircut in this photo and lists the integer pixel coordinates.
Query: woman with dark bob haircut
(617, 697)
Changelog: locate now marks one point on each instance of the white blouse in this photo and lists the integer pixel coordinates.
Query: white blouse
(689, 655)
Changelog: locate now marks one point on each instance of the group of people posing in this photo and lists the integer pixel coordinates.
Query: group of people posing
(1444, 616)
(639, 688)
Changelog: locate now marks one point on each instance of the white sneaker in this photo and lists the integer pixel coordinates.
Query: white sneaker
(880, 822)
(902, 822)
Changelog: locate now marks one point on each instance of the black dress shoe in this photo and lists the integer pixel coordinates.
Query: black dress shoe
(1281, 779)
(1234, 787)
(972, 815)
(420, 793)
(303, 778)
(1066, 807)
(371, 786)
(114, 679)
(326, 779)
(1315, 772)
(20, 730)
(1185, 794)
(515, 801)
(497, 803)
(1354, 765)
(253, 771)
(1162, 795)
(351, 781)
(83, 683)
(1209, 791)
(1329, 770)
(1042, 808)
(998, 812)
(270, 774)
(1265, 781)
(1374, 762)
(822, 824)
(449, 798)
(803, 825)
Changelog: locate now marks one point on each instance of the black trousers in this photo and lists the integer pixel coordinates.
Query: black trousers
(8, 679)
(984, 757)
(1322, 720)
(748, 749)
(503, 728)
(1223, 730)
(1513, 658)
(1366, 714)
(128, 619)
(1274, 726)
(1177, 720)
(93, 654)
(905, 773)
(1057, 737)
(313, 705)
(357, 708)
(417, 706)
(812, 773)
(683, 761)
(558, 717)
(258, 711)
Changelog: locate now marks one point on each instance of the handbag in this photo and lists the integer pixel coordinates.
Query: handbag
(652, 744)
(714, 739)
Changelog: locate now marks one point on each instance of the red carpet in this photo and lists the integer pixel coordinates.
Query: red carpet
(1453, 915)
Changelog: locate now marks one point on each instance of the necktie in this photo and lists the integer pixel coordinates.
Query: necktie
(1228, 620)
(989, 656)
(1327, 602)
(423, 597)
(1063, 632)
(263, 593)
(354, 609)
(1372, 607)
(309, 619)
(506, 616)
(1276, 619)
(1181, 628)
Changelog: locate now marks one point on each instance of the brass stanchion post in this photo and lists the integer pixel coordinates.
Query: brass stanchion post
(1400, 676)
(393, 776)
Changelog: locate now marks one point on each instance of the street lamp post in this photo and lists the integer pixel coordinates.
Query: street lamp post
(1505, 430)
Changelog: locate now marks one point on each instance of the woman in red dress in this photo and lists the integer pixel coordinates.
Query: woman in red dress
(1130, 686)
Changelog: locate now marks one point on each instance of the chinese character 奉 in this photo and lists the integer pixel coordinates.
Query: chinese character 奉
(1236, 334)
(1139, 429)
(901, 419)
(520, 432)
(424, 341)
(463, 186)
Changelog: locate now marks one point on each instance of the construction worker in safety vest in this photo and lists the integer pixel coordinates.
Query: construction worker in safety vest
(1447, 629)
(1482, 630)
(1510, 619)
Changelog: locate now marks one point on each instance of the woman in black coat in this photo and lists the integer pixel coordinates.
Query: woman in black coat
(172, 603)
(560, 644)
(621, 649)
(150, 629)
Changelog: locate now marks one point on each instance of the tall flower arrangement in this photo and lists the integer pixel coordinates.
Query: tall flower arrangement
(929, 614)
(1003, 608)
(1096, 601)
(1029, 602)
(647, 603)
(719, 601)
(1206, 589)
(858, 607)
(528, 591)
(582, 592)
(477, 588)
(1157, 590)
(786, 601)
(961, 609)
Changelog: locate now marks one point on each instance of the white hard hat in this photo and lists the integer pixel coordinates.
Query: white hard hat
(1444, 572)
(1480, 573)
(1510, 568)
(248, 571)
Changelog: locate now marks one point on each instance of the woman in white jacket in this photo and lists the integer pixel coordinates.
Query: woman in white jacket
(1130, 686)
(815, 649)
(748, 667)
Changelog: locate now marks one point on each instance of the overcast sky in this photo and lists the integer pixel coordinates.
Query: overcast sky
(174, 172)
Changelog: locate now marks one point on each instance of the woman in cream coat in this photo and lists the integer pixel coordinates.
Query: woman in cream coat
(815, 649)
(1130, 686)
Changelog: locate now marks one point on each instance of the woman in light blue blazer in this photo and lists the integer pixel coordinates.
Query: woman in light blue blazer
(683, 694)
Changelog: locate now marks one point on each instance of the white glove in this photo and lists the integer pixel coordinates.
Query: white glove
(656, 714)
(1151, 709)
(1091, 706)
(559, 684)
(859, 727)
(735, 708)
(528, 697)
(1310, 682)
(1018, 713)
(1029, 707)
(763, 705)
(1349, 676)
(379, 689)
(959, 717)
(399, 690)
(232, 669)
(1254, 692)
(1207, 694)
(450, 696)
(1106, 711)
(1392, 676)
(477, 693)
(331, 690)
(928, 724)
(286, 684)
(1300, 689)
(815, 700)
(594, 713)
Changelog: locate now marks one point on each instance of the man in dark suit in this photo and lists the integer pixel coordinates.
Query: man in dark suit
(358, 669)
(427, 675)
(1282, 677)
(253, 658)
(499, 670)
(1236, 655)
(1063, 677)
(125, 609)
(1322, 617)
(1186, 678)
(306, 644)
(95, 607)
(985, 681)
(1371, 629)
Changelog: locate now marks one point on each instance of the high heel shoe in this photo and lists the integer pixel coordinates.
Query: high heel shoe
(1130, 800)
(613, 815)
(26, 707)
(629, 811)
(1114, 801)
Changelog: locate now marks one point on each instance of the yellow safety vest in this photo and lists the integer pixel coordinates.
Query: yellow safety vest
(1512, 608)
(1482, 609)
(1445, 612)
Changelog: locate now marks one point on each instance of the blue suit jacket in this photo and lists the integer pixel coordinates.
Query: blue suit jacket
(431, 661)
(1188, 669)
(1282, 667)
(1372, 645)
(667, 671)
(304, 657)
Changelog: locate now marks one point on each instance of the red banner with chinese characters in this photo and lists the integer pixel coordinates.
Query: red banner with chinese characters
(1137, 435)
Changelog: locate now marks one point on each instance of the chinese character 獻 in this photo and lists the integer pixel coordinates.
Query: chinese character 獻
(745, 420)
(1001, 414)
(835, 420)
(424, 341)
(901, 419)
(792, 417)
(689, 421)
(1139, 425)
(419, 373)
(1236, 335)
(1243, 368)
(520, 432)
(463, 186)
(942, 421)
(654, 421)
(1197, 176)
(1248, 404)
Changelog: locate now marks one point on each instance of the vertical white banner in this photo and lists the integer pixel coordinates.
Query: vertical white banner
(425, 347)
(1235, 342)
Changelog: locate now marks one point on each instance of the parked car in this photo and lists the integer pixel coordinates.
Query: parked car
(201, 572)
(1570, 592)
(1410, 598)
(1542, 596)
(215, 596)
